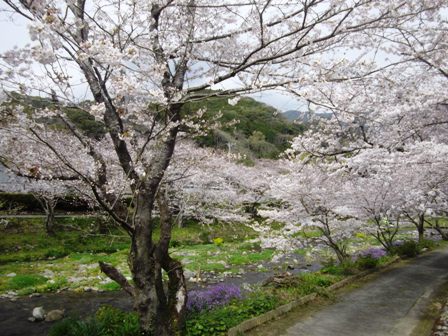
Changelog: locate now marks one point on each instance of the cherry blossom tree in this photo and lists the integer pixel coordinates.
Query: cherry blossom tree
(142, 62)
(315, 196)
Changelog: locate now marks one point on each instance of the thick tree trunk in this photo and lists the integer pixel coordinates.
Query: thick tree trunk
(421, 227)
(49, 220)
(48, 204)
(160, 308)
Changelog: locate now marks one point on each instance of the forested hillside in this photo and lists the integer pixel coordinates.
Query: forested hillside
(250, 128)
(261, 130)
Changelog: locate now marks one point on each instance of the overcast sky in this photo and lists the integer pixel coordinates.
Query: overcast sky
(15, 34)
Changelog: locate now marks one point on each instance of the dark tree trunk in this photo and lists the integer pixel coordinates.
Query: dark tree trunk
(421, 227)
(49, 221)
(442, 231)
(48, 204)
(160, 308)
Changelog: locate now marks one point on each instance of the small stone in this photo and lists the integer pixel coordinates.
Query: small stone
(11, 275)
(48, 273)
(31, 319)
(438, 305)
(39, 313)
(35, 295)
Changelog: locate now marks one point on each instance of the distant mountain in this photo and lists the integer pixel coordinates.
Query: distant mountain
(291, 115)
(304, 117)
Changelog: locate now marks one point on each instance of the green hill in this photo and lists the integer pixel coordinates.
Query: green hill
(260, 132)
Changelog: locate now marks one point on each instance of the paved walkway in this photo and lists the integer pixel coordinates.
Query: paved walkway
(392, 304)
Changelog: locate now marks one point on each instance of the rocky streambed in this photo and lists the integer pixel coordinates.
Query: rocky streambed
(16, 311)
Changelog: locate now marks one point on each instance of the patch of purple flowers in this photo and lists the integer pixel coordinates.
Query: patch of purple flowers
(373, 252)
(212, 296)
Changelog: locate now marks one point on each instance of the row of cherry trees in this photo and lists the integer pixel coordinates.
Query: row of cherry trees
(378, 66)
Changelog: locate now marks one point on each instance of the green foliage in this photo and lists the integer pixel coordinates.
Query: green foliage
(111, 286)
(108, 321)
(345, 268)
(408, 249)
(367, 262)
(79, 117)
(27, 241)
(86, 122)
(260, 133)
(25, 281)
(313, 282)
(361, 236)
(218, 321)
(427, 244)
(218, 241)
(250, 258)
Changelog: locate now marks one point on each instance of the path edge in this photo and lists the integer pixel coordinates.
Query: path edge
(282, 310)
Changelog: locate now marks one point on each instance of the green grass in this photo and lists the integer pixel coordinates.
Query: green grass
(251, 258)
(71, 256)
(110, 321)
(309, 233)
(24, 281)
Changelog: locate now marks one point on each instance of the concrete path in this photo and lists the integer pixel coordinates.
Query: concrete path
(392, 304)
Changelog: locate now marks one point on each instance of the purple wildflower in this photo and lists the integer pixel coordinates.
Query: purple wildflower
(373, 252)
(212, 296)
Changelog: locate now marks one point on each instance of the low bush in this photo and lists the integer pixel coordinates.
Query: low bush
(427, 244)
(218, 321)
(369, 258)
(342, 269)
(108, 321)
(313, 282)
(406, 249)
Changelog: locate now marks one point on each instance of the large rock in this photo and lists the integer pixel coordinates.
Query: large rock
(54, 315)
(189, 274)
(39, 313)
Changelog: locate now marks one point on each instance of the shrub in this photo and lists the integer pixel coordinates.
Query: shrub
(108, 321)
(217, 321)
(204, 237)
(218, 241)
(313, 282)
(407, 249)
(427, 244)
(366, 262)
(345, 268)
(369, 258)
(373, 252)
(361, 235)
(117, 323)
(212, 297)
